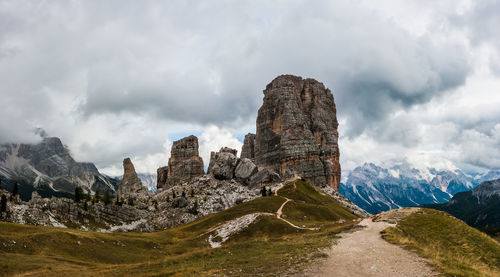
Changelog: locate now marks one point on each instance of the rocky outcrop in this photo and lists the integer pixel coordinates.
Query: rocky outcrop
(248, 148)
(48, 168)
(263, 177)
(297, 131)
(184, 163)
(223, 163)
(131, 186)
(479, 207)
(161, 177)
(244, 170)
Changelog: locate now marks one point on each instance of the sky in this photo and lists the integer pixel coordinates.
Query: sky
(415, 80)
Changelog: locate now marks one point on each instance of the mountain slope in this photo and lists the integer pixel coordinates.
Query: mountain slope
(453, 247)
(378, 189)
(48, 168)
(248, 239)
(479, 207)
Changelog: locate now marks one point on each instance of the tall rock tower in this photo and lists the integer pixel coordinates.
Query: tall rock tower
(184, 163)
(131, 186)
(297, 131)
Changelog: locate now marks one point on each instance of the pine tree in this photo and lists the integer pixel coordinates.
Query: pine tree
(78, 194)
(194, 209)
(97, 196)
(192, 193)
(263, 191)
(3, 203)
(130, 201)
(183, 194)
(106, 198)
(85, 205)
(15, 190)
(0, 183)
(269, 192)
(173, 194)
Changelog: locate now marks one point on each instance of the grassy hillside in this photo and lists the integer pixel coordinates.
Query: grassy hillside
(452, 246)
(268, 246)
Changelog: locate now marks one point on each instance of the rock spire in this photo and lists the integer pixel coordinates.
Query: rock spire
(184, 163)
(297, 131)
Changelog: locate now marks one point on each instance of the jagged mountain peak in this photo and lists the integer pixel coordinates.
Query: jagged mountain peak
(377, 188)
(49, 168)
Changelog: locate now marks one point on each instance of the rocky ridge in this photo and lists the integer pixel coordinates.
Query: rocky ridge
(479, 207)
(48, 168)
(376, 189)
(296, 136)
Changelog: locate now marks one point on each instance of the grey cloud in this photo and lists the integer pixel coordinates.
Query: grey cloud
(67, 63)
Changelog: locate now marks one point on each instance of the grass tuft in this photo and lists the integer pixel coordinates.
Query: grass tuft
(452, 246)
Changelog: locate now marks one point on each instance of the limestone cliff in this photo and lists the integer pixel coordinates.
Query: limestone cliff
(297, 131)
(184, 163)
(131, 186)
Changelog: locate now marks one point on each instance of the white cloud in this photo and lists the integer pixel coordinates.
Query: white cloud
(213, 138)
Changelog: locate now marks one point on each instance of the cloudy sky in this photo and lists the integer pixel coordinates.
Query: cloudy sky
(413, 80)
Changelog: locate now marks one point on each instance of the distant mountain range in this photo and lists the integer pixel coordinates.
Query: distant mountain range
(48, 168)
(377, 189)
(479, 207)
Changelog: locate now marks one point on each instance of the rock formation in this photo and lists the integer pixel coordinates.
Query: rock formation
(223, 163)
(244, 170)
(48, 168)
(184, 163)
(297, 131)
(131, 186)
(248, 148)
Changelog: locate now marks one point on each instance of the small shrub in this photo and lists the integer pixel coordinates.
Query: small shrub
(263, 191)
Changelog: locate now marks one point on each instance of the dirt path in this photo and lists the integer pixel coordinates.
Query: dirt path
(364, 253)
(279, 213)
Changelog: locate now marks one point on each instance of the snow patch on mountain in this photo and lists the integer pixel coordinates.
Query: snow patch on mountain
(378, 189)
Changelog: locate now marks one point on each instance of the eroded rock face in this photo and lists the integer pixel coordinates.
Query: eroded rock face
(223, 163)
(244, 170)
(184, 163)
(297, 131)
(131, 186)
(248, 148)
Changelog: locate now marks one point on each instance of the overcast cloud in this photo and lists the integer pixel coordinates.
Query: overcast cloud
(414, 80)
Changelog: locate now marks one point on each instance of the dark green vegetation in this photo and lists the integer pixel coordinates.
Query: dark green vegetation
(452, 246)
(475, 212)
(268, 246)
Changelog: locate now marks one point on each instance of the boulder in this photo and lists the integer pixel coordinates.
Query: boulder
(263, 177)
(297, 131)
(245, 169)
(223, 163)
